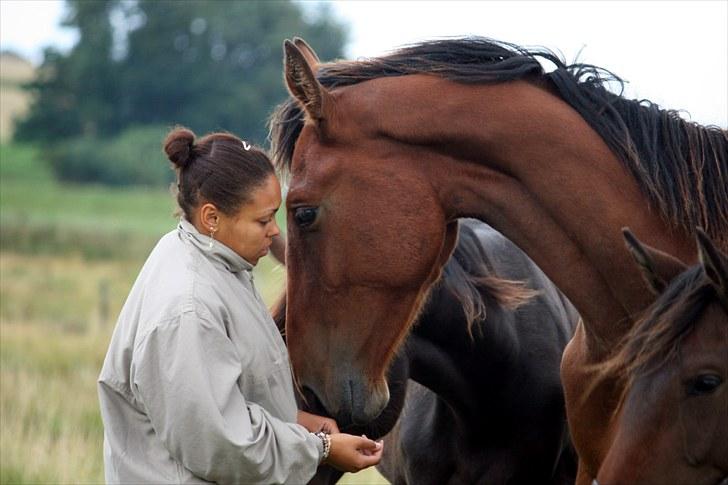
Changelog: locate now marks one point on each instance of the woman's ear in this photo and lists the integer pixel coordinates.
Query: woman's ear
(209, 217)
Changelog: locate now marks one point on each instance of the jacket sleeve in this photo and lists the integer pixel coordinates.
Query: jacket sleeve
(185, 373)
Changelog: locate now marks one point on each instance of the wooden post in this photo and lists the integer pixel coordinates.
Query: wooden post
(103, 302)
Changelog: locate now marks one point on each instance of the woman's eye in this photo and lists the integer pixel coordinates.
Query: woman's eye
(305, 216)
(703, 384)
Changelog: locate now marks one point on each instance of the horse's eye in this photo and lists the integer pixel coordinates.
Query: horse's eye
(305, 216)
(704, 384)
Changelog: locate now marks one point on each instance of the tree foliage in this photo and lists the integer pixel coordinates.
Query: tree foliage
(209, 65)
(133, 157)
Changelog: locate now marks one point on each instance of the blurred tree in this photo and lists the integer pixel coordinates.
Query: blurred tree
(75, 93)
(206, 64)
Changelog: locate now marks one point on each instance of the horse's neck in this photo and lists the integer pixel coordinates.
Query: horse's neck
(444, 358)
(434, 368)
(515, 156)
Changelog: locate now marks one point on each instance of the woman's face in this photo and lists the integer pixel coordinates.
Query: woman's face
(250, 232)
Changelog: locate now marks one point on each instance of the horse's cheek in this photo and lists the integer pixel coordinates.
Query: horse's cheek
(704, 422)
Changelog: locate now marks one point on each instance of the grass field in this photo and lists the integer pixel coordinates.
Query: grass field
(41, 216)
(68, 256)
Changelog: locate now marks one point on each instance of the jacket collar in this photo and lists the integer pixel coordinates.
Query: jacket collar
(232, 261)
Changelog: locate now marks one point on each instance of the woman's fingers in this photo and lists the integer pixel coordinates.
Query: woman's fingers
(330, 427)
(314, 423)
(369, 447)
(365, 444)
(354, 453)
(370, 456)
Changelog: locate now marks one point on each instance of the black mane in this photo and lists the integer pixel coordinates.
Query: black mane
(681, 167)
(471, 279)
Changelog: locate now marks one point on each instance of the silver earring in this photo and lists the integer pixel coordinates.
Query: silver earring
(212, 238)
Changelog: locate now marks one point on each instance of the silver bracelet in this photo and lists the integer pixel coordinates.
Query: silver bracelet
(326, 441)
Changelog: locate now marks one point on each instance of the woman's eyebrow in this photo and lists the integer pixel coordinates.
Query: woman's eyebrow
(268, 212)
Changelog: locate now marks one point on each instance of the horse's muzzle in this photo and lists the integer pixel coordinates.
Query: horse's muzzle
(364, 404)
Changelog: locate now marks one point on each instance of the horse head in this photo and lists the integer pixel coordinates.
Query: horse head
(673, 421)
(351, 311)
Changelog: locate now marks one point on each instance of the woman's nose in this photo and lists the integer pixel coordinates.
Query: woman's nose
(275, 230)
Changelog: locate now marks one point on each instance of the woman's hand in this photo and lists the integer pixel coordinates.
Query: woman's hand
(315, 423)
(351, 453)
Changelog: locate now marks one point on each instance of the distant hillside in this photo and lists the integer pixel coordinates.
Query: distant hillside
(14, 70)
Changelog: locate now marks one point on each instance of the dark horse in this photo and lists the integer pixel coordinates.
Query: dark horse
(672, 425)
(386, 154)
(492, 411)
(487, 345)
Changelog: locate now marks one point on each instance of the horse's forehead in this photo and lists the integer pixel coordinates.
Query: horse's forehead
(710, 334)
(309, 149)
(305, 149)
(707, 345)
(316, 159)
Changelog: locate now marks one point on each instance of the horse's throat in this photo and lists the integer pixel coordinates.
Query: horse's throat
(590, 402)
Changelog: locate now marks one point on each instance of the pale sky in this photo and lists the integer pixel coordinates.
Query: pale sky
(674, 53)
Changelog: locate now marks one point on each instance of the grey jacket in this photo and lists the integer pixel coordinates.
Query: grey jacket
(196, 385)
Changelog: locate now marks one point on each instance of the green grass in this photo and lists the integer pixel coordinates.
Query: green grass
(69, 255)
(22, 163)
(39, 215)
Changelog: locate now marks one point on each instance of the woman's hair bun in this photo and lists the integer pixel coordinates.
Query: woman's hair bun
(178, 146)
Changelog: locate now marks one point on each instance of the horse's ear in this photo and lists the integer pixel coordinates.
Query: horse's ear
(308, 53)
(658, 268)
(715, 265)
(302, 82)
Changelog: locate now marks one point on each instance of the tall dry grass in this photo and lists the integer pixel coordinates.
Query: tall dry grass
(52, 345)
(50, 428)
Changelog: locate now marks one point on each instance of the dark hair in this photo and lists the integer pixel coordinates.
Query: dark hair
(218, 168)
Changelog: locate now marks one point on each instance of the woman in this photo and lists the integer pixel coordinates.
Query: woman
(196, 385)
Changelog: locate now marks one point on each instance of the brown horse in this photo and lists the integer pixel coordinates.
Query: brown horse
(487, 344)
(673, 421)
(385, 154)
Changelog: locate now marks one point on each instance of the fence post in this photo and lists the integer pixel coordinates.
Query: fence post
(103, 302)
